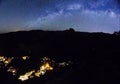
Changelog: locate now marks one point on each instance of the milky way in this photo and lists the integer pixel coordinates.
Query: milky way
(82, 15)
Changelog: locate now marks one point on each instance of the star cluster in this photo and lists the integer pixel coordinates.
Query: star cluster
(82, 15)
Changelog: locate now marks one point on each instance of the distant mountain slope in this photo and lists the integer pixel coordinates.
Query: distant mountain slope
(95, 55)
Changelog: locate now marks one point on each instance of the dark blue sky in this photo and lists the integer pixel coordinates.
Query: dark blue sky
(82, 15)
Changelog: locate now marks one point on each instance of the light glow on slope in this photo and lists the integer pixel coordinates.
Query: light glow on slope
(46, 64)
(26, 76)
(37, 73)
(45, 67)
(25, 57)
(12, 70)
(5, 60)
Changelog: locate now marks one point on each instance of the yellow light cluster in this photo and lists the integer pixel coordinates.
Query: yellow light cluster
(47, 65)
(26, 76)
(43, 69)
(12, 70)
(6, 60)
(2, 58)
(25, 57)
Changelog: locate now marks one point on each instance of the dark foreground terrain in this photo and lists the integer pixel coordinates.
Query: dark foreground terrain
(95, 57)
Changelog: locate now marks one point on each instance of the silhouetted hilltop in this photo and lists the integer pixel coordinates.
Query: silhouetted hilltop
(26, 42)
(95, 55)
(68, 44)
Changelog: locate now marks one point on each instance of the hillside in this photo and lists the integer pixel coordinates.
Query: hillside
(93, 56)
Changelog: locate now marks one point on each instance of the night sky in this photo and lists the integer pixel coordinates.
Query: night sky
(82, 15)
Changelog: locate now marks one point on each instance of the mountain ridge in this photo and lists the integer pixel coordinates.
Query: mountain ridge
(95, 56)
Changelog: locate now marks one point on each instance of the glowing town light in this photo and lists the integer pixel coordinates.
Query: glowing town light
(12, 70)
(25, 57)
(47, 65)
(63, 64)
(43, 69)
(2, 58)
(8, 60)
(37, 74)
(26, 76)
(45, 59)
